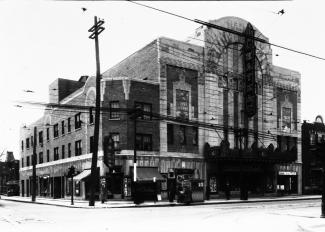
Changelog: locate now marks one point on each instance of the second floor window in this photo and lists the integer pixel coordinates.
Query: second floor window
(146, 108)
(27, 159)
(40, 137)
(69, 149)
(40, 157)
(22, 145)
(47, 134)
(170, 133)
(63, 151)
(116, 139)
(77, 121)
(22, 162)
(48, 155)
(144, 142)
(195, 136)
(78, 148)
(56, 153)
(62, 127)
(69, 124)
(182, 135)
(27, 143)
(56, 130)
(113, 106)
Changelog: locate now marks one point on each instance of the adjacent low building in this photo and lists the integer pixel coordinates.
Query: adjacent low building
(313, 138)
(216, 110)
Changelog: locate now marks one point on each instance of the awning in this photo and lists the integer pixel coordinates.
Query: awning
(148, 174)
(82, 175)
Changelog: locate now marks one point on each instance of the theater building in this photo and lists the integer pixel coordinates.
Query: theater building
(216, 109)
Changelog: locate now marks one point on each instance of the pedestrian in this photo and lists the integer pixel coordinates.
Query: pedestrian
(171, 195)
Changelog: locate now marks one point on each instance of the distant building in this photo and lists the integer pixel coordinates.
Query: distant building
(313, 136)
(212, 114)
(9, 172)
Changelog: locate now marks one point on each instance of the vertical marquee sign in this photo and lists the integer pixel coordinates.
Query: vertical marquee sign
(249, 52)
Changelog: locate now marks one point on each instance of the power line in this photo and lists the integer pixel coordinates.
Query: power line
(226, 30)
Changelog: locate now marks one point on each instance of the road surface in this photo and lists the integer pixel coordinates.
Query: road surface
(291, 216)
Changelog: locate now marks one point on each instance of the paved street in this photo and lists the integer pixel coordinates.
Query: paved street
(272, 216)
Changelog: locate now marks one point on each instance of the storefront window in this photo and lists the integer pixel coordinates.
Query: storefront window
(77, 188)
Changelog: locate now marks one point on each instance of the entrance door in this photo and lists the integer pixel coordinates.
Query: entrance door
(57, 187)
(27, 188)
(22, 188)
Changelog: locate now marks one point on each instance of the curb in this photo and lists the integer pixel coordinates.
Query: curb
(170, 204)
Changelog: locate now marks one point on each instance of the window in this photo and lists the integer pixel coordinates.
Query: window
(77, 121)
(146, 108)
(56, 130)
(69, 124)
(47, 134)
(32, 141)
(22, 162)
(91, 116)
(182, 135)
(63, 151)
(182, 103)
(195, 136)
(69, 149)
(312, 139)
(116, 139)
(78, 148)
(48, 155)
(27, 164)
(40, 137)
(91, 141)
(22, 145)
(56, 153)
(170, 133)
(144, 142)
(62, 127)
(114, 114)
(27, 143)
(40, 158)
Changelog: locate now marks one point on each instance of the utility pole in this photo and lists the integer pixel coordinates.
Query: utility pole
(96, 30)
(34, 166)
(135, 114)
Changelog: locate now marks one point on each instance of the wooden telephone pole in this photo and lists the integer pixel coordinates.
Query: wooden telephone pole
(96, 30)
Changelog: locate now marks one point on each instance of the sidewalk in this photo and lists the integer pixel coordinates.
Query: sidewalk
(128, 204)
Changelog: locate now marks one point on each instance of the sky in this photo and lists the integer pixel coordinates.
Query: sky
(41, 41)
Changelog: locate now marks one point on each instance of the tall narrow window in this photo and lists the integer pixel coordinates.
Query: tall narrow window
(47, 134)
(27, 143)
(22, 145)
(69, 124)
(170, 133)
(195, 136)
(114, 106)
(48, 155)
(62, 127)
(22, 162)
(40, 158)
(56, 130)
(27, 164)
(77, 121)
(56, 153)
(78, 148)
(63, 152)
(182, 135)
(69, 149)
(40, 137)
